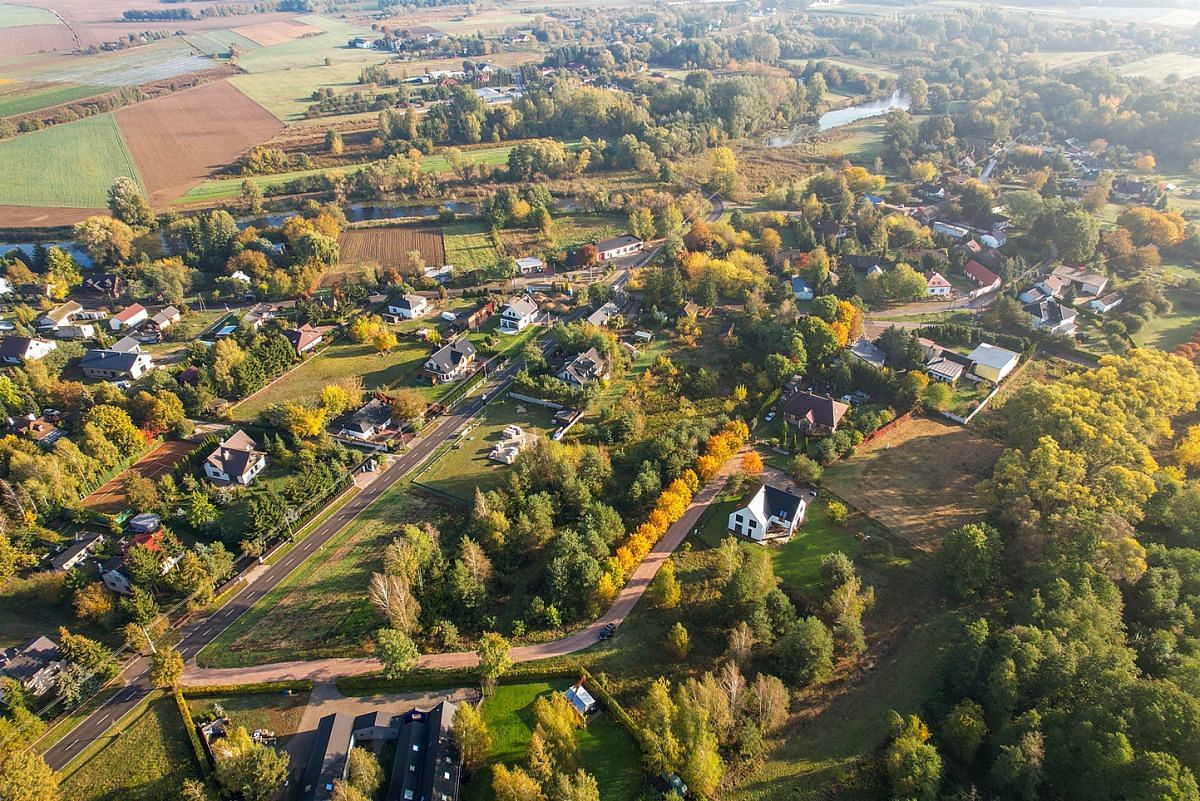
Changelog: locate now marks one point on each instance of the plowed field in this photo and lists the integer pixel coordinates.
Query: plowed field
(389, 247)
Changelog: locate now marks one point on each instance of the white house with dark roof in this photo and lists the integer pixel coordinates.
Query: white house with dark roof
(519, 314)
(601, 316)
(115, 365)
(236, 460)
(78, 551)
(768, 513)
(617, 246)
(374, 416)
(584, 369)
(408, 307)
(165, 318)
(18, 350)
(1050, 315)
(36, 665)
(451, 361)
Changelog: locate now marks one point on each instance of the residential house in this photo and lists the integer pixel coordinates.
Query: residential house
(76, 331)
(131, 316)
(1106, 303)
(936, 285)
(767, 513)
(1052, 316)
(475, 319)
(1048, 287)
(518, 315)
(59, 316)
(601, 316)
(947, 366)
(18, 350)
(112, 573)
(304, 338)
(863, 264)
(814, 415)
(6, 287)
(38, 429)
(35, 665)
(985, 280)
(113, 365)
(426, 764)
(1085, 281)
(992, 362)
(373, 417)
(585, 368)
(617, 246)
(236, 460)
(408, 307)
(127, 344)
(530, 264)
(258, 315)
(802, 288)
(869, 352)
(451, 361)
(79, 550)
(828, 230)
(144, 524)
(165, 319)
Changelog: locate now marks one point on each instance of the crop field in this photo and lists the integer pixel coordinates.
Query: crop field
(605, 749)
(1181, 65)
(268, 34)
(16, 16)
(124, 68)
(490, 21)
(35, 39)
(465, 465)
(144, 758)
(321, 609)
(287, 93)
(22, 98)
(389, 247)
(313, 50)
(920, 480)
(178, 140)
(88, 156)
(469, 246)
(218, 42)
(1061, 59)
(342, 359)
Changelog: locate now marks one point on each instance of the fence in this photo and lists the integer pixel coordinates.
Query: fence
(886, 427)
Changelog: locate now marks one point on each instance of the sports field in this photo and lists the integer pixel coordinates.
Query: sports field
(88, 156)
(110, 498)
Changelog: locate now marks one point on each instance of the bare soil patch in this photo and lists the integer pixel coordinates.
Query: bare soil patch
(29, 39)
(111, 498)
(389, 247)
(39, 217)
(183, 138)
(921, 479)
(277, 32)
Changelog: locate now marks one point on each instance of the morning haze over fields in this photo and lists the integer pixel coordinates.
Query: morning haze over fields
(564, 400)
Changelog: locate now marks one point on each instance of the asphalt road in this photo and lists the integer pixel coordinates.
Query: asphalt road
(198, 634)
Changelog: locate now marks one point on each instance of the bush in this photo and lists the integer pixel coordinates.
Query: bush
(838, 512)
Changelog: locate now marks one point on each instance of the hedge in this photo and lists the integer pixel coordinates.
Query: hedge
(301, 685)
(193, 736)
(600, 692)
(437, 679)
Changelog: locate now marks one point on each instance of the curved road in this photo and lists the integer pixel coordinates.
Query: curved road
(325, 670)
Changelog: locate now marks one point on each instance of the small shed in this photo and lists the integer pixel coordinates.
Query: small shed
(581, 699)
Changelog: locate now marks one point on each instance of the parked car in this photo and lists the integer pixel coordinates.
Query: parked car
(770, 416)
(608, 631)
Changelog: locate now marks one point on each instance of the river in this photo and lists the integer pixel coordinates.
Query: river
(841, 117)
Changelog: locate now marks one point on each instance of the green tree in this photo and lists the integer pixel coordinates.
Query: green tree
(363, 771)
(201, 511)
(678, 641)
(128, 204)
(166, 667)
(472, 735)
(494, 659)
(250, 770)
(969, 560)
(964, 730)
(665, 589)
(914, 766)
(804, 654)
(396, 651)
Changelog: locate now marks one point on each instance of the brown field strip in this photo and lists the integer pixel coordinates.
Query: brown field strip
(181, 139)
(29, 39)
(389, 247)
(273, 33)
(41, 217)
(110, 498)
(920, 479)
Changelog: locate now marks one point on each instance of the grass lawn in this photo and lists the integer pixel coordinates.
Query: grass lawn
(287, 93)
(469, 246)
(920, 479)
(339, 360)
(30, 607)
(89, 155)
(465, 465)
(232, 518)
(798, 561)
(274, 711)
(1166, 332)
(321, 609)
(819, 745)
(605, 749)
(145, 758)
(33, 98)
(16, 16)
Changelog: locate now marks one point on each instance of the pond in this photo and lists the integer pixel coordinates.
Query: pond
(26, 249)
(843, 116)
(358, 212)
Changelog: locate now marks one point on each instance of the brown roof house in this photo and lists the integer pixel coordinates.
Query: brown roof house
(304, 338)
(814, 415)
(236, 460)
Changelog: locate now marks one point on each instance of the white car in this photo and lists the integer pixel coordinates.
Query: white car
(770, 416)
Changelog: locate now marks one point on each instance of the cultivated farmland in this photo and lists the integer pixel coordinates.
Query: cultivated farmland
(14, 16)
(88, 156)
(22, 98)
(1182, 65)
(180, 139)
(389, 247)
(268, 34)
(35, 39)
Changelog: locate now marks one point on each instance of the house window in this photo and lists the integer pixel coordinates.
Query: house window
(739, 519)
